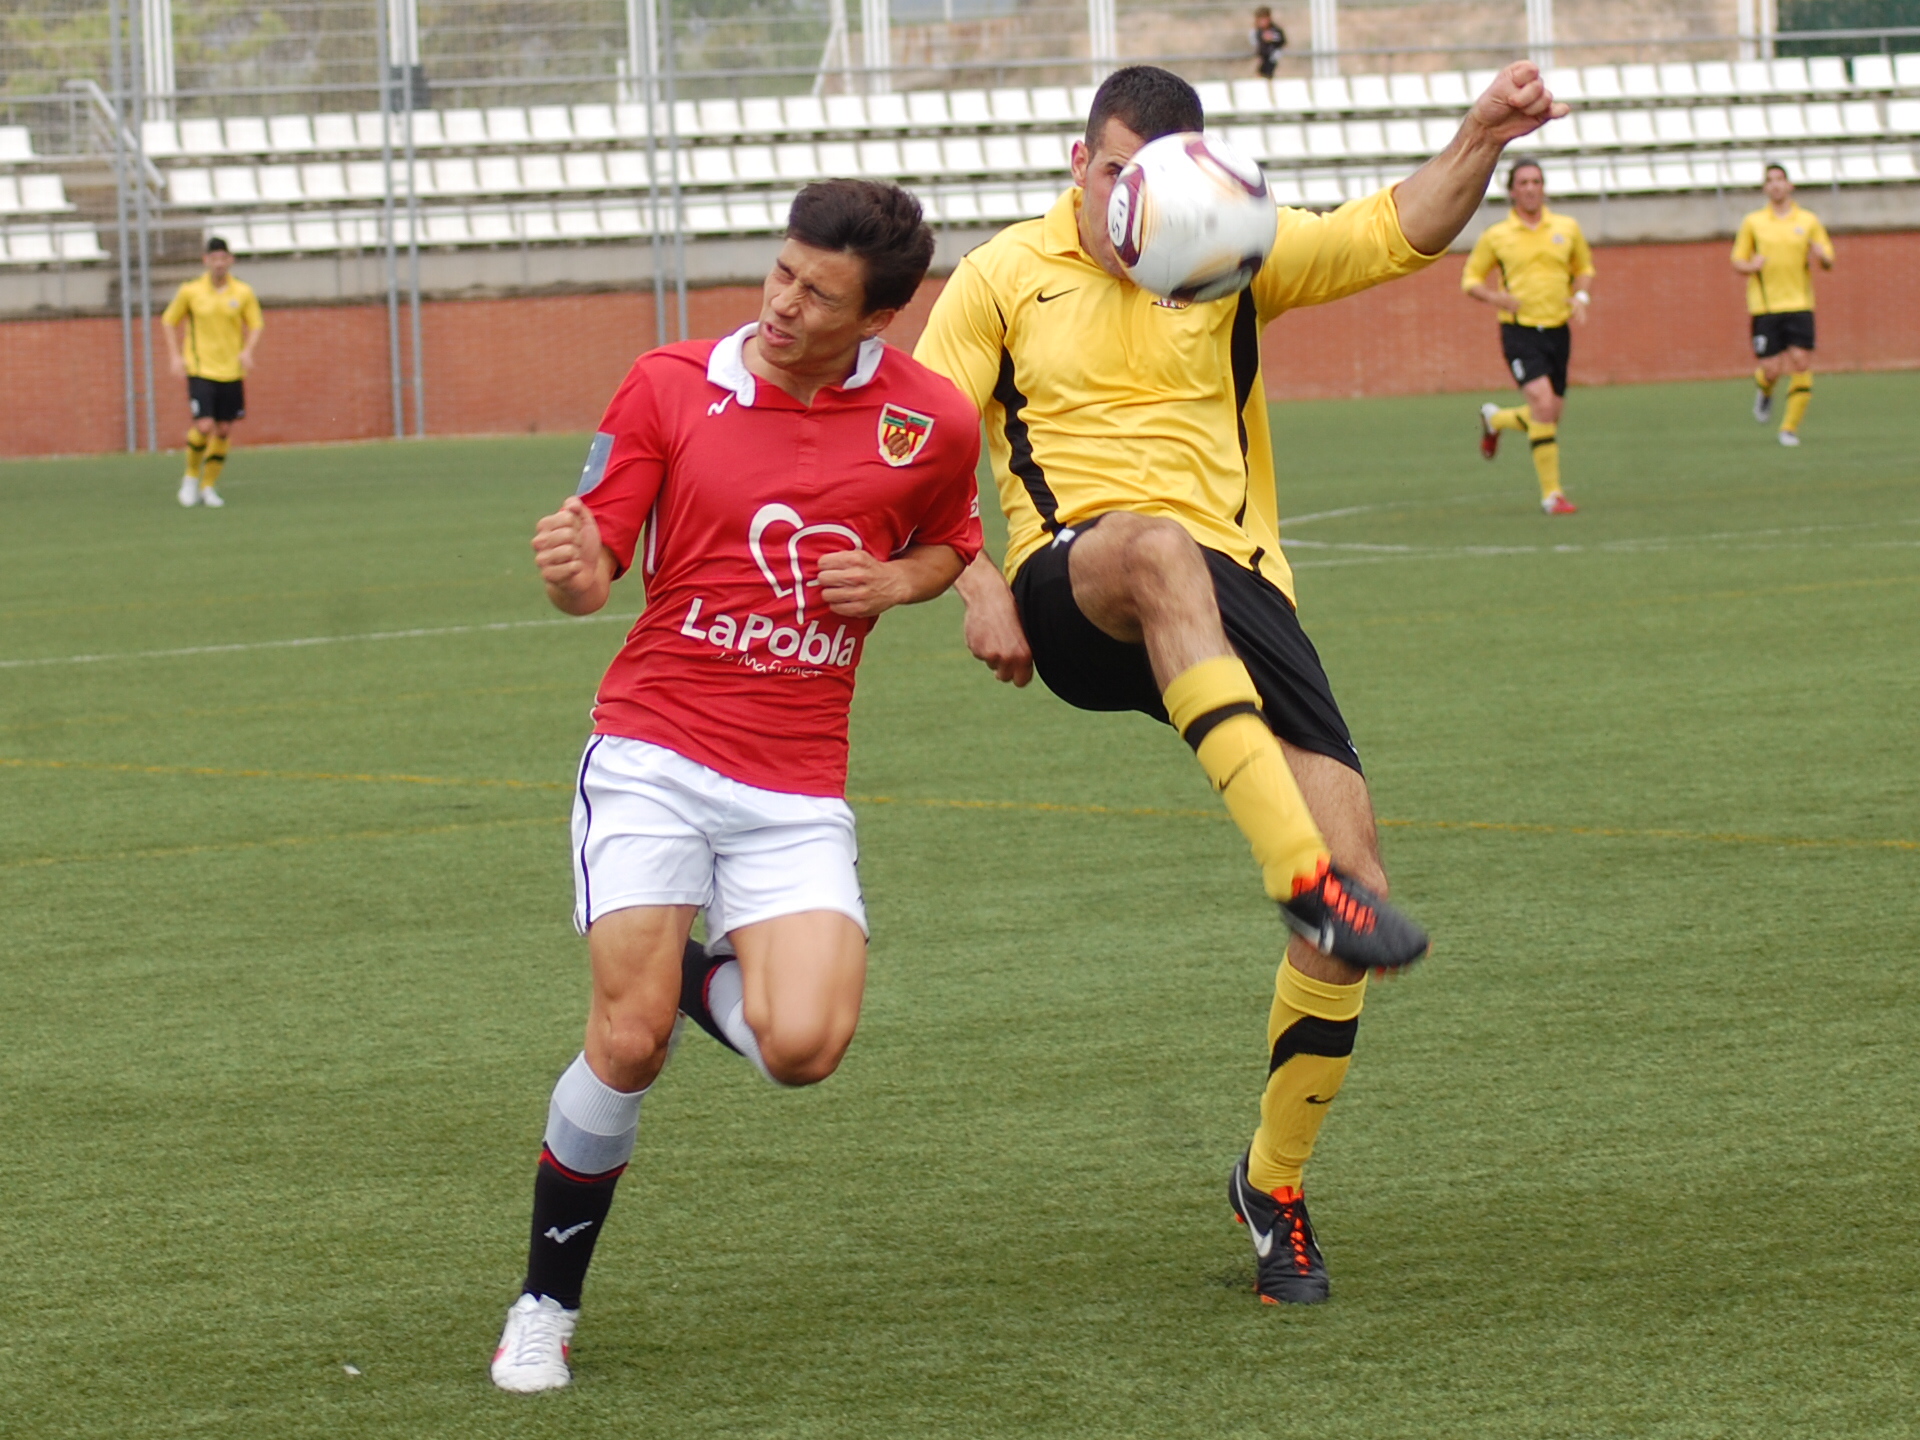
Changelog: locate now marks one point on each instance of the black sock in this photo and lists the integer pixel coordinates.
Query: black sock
(568, 1212)
(696, 968)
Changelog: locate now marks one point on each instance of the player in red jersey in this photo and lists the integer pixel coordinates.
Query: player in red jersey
(777, 490)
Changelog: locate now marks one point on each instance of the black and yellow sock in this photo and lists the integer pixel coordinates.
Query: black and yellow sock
(1760, 379)
(196, 450)
(1310, 1041)
(215, 461)
(1545, 440)
(1798, 394)
(1215, 706)
(1516, 417)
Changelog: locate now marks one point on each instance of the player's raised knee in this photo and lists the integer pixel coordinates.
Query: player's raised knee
(627, 1051)
(802, 1054)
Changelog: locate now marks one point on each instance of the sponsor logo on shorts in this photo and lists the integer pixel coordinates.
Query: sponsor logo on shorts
(805, 641)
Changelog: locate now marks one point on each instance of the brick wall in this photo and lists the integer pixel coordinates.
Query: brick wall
(1661, 312)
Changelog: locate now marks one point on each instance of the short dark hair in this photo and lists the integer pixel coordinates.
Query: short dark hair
(1149, 101)
(881, 224)
(1781, 168)
(1525, 162)
(214, 242)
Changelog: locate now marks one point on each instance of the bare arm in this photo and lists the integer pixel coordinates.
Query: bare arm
(852, 582)
(1495, 294)
(575, 567)
(994, 634)
(249, 344)
(1752, 265)
(1439, 198)
(176, 355)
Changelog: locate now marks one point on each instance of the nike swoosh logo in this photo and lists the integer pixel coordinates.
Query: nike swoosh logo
(1043, 297)
(560, 1237)
(1262, 1240)
(1317, 1100)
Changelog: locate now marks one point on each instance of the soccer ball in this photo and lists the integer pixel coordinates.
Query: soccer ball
(1191, 218)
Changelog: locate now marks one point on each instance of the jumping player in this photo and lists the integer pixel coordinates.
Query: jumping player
(777, 489)
(213, 327)
(1774, 250)
(1545, 278)
(1131, 444)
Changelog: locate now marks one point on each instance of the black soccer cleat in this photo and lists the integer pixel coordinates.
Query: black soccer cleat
(1288, 1267)
(1340, 917)
(696, 973)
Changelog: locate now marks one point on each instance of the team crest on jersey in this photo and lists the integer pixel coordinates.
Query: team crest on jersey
(903, 433)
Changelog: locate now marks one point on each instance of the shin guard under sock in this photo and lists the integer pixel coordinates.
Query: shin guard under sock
(1310, 1033)
(196, 450)
(1216, 708)
(216, 458)
(1799, 393)
(1545, 440)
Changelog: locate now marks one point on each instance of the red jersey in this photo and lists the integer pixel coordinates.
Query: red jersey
(733, 491)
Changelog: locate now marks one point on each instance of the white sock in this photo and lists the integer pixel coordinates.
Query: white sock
(591, 1126)
(727, 1000)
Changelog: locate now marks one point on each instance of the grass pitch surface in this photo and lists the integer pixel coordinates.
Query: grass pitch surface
(287, 975)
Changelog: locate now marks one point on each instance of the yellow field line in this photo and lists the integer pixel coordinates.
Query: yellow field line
(221, 773)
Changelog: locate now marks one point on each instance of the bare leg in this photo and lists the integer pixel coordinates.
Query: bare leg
(636, 991)
(1143, 580)
(803, 977)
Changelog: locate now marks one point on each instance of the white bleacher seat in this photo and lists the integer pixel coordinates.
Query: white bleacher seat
(1677, 81)
(366, 179)
(1249, 140)
(280, 184)
(577, 222)
(846, 112)
(31, 247)
(1816, 168)
(1331, 92)
(1001, 203)
(463, 127)
(1824, 120)
(1478, 81)
(1004, 154)
(1745, 171)
(1637, 128)
(369, 126)
(712, 165)
(753, 164)
(879, 160)
(1325, 142)
(456, 177)
(1285, 187)
(316, 232)
(686, 120)
(445, 227)
(542, 172)
(1409, 92)
(1449, 88)
(1751, 77)
(1561, 134)
(1565, 85)
(1010, 107)
(43, 195)
(507, 125)
(959, 207)
(1291, 96)
(190, 187)
(16, 143)
(1789, 77)
(1286, 140)
(928, 108)
(1673, 126)
(1786, 122)
(1440, 132)
(9, 195)
(326, 181)
(1640, 82)
(1370, 92)
(630, 121)
(706, 219)
(270, 237)
(1323, 189)
(202, 137)
(593, 122)
(1906, 71)
(1053, 104)
(1859, 166)
(1037, 196)
(1216, 101)
(499, 174)
(797, 162)
(840, 157)
(1827, 73)
(1358, 184)
(336, 132)
(160, 139)
(1672, 173)
(1708, 172)
(963, 155)
(622, 221)
(627, 169)
(246, 135)
(1873, 72)
(970, 107)
(1048, 152)
(760, 116)
(587, 169)
(920, 157)
(550, 124)
(537, 223)
(427, 131)
(1749, 122)
(1601, 82)
(1898, 165)
(746, 216)
(805, 114)
(1598, 128)
(290, 134)
(1562, 178)
(1251, 97)
(1712, 124)
(1405, 137)
(1715, 78)
(887, 112)
(1903, 117)
(1592, 177)
(492, 227)
(1366, 137)
(1083, 100)
(78, 243)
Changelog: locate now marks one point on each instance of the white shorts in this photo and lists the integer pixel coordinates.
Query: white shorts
(651, 827)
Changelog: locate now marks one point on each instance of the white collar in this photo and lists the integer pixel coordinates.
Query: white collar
(727, 366)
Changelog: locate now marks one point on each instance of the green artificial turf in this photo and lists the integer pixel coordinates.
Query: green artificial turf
(287, 974)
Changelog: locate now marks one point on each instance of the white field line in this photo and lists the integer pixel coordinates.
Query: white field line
(307, 640)
(1775, 538)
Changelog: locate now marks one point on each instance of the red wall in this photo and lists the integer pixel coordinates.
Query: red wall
(1661, 312)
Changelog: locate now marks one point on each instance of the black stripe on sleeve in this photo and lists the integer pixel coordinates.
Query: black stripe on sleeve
(1020, 444)
(1245, 351)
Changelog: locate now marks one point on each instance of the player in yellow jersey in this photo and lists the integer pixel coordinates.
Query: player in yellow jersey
(213, 327)
(1775, 250)
(1535, 268)
(1130, 442)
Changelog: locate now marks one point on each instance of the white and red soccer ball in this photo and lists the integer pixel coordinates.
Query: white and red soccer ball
(1191, 218)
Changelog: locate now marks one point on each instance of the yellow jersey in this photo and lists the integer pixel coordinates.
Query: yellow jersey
(217, 324)
(1538, 265)
(1099, 396)
(1787, 243)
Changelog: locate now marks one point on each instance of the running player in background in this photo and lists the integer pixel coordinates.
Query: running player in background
(1132, 447)
(213, 327)
(1775, 250)
(1545, 278)
(777, 489)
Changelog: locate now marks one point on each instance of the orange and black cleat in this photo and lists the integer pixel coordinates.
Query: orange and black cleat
(1288, 1267)
(1340, 917)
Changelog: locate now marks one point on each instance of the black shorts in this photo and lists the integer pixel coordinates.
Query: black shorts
(1533, 351)
(217, 399)
(1090, 670)
(1790, 329)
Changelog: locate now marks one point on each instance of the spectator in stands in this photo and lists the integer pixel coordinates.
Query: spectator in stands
(1268, 41)
(1774, 249)
(212, 327)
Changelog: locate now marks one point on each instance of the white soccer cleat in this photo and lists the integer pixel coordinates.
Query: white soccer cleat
(534, 1346)
(1789, 438)
(210, 498)
(1762, 404)
(189, 490)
